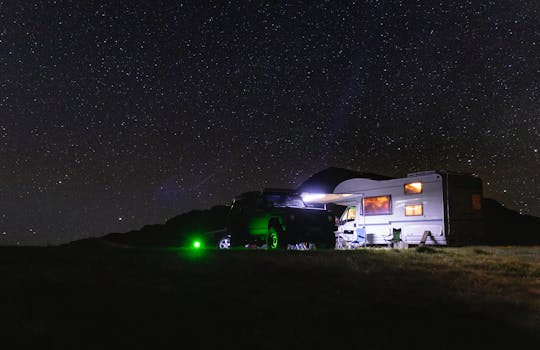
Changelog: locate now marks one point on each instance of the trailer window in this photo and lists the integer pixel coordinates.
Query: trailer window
(413, 187)
(414, 210)
(378, 205)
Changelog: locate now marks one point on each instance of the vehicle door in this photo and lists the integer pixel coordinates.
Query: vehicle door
(238, 216)
(347, 224)
(259, 217)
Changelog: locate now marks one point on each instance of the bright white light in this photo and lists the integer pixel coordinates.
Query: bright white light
(312, 197)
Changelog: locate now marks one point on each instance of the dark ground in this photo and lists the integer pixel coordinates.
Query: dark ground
(89, 297)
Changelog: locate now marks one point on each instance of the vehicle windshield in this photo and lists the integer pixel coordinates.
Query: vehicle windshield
(283, 200)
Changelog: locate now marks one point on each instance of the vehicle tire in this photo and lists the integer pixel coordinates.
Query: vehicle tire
(274, 239)
(333, 243)
(224, 242)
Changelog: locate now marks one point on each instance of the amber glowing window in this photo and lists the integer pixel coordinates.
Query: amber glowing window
(476, 201)
(413, 187)
(378, 205)
(414, 210)
(351, 214)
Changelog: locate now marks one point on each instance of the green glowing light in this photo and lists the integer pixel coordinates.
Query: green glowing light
(196, 244)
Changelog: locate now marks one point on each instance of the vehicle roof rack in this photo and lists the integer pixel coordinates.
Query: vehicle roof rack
(248, 194)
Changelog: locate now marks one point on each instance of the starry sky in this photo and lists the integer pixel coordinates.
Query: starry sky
(117, 114)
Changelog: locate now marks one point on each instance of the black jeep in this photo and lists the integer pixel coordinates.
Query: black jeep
(275, 219)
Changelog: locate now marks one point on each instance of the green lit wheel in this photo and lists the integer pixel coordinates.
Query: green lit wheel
(273, 239)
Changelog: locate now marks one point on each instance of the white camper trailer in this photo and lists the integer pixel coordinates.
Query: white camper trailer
(432, 208)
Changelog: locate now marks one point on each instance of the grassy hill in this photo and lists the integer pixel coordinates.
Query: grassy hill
(427, 298)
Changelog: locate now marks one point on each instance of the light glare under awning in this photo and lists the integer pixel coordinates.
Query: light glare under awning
(325, 198)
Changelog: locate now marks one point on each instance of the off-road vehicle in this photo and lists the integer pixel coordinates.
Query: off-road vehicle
(279, 219)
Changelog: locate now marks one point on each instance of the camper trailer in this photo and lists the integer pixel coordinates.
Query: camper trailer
(432, 208)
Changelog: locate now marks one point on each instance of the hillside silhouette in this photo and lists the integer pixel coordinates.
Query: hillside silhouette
(176, 232)
(508, 227)
(503, 226)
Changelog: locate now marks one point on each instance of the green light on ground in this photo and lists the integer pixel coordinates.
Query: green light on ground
(196, 244)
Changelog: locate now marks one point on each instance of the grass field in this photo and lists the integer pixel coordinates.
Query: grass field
(442, 298)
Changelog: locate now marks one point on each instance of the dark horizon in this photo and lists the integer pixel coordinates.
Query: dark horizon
(116, 115)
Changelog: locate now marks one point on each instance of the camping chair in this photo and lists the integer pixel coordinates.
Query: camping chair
(360, 240)
(341, 244)
(394, 240)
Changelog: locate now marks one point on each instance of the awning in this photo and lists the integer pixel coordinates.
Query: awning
(336, 198)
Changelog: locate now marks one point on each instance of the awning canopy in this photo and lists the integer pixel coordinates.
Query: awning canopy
(336, 198)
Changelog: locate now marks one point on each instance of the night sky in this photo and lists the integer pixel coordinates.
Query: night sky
(117, 114)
